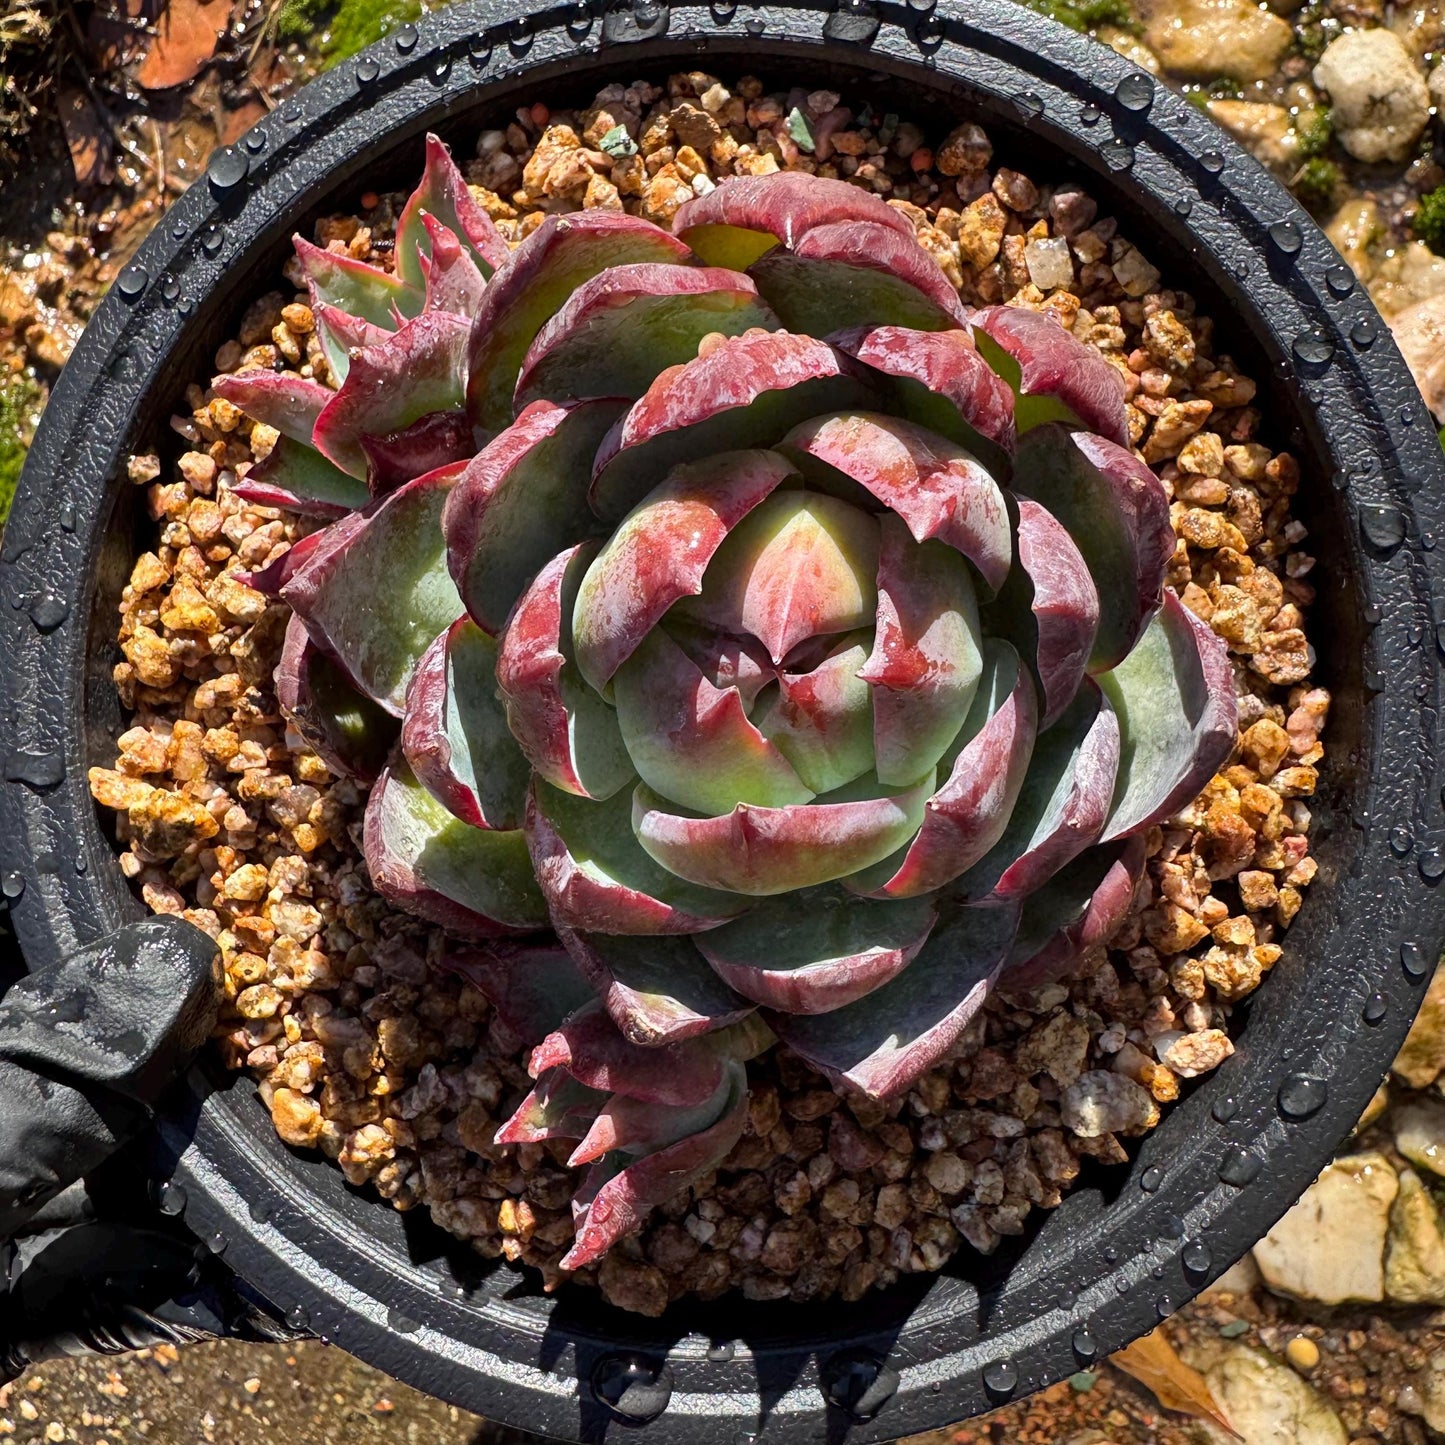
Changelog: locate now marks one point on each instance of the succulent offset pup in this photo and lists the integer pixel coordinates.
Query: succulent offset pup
(793, 659)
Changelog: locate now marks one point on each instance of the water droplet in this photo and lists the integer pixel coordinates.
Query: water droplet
(1000, 1377)
(1363, 333)
(520, 36)
(1091, 115)
(170, 290)
(1211, 162)
(367, 70)
(1164, 1306)
(179, 228)
(1183, 205)
(132, 282)
(924, 6)
(1239, 1167)
(260, 1210)
(441, 69)
(35, 770)
(298, 1318)
(255, 141)
(1375, 1008)
(1122, 1285)
(929, 34)
(1412, 960)
(1029, 105)
(402, 1323)
(1300, 1096)
(406, 39)
(226, 168)
(1151, 1179)
(1118, 155)
(1313, 348)
(1432, 864)
(1197, 1257)
(1085, 1346)
(171, 1199)
(635, 1388)
(1407, 416)
(1286, 237)
(1068, 1299)
(1401, 840)
(48, 611)
(1135, 92)
(212, 242)
(479, 48)
(1340, 279)
(754, 25)
(1225, 1109)
(1111, 1254)
(1382, 526)
(67, 518)
(1173, 1227)
(724, 10)
(292, 112)
(853, 22)
(721, 1351)
(82, 863)
(217, 1242)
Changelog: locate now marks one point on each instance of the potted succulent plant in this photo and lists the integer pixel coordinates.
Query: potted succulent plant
(729, 637)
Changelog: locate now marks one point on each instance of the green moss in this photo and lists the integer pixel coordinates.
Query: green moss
(1316, 183)
(1430, 219)
(1314, 28)
(1086, 15)
(340, 28)
(20, 403)
(1315, 128)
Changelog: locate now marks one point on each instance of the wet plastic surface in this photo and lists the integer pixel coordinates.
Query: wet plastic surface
(1130, 1244)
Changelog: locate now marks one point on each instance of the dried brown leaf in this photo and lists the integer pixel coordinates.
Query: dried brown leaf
(1154, 1362)
(186, 35)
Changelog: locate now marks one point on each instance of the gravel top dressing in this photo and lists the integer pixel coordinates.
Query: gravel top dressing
(359, 1022)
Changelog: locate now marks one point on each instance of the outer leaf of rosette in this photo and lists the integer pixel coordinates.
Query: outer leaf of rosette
(933, 485)
(942, 383)
(281, 399)
(438, 439)
(1117, 513)
(660, 551)
(364, 292)
(532, 285)
(566, 730)
(881, 1044)
(558, 1108)
(1053, 376)
(1174, 695)
(443, 194)
(616, 1196)
(983, 771)
(297, 476)
(1048, 607)
(379, 640)
(1077, 910)
(427, 862)
(631, 1128)
(851, 273)
(534, 987)
(393, 384)
(453, 279)
(521, 501)
(344, 728)
(818, 950)
(340, 334)
(658, 989)
(762, 851)
(746, 216)
(455, 734)
(1061, 807)
(619, 329)
(746, 392)
(596, 877)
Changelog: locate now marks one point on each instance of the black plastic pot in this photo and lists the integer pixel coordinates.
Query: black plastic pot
(1130, 1244)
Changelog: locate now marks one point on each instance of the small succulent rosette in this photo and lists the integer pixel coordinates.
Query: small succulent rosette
(766, 643)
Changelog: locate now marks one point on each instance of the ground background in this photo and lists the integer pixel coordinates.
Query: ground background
(108, 110)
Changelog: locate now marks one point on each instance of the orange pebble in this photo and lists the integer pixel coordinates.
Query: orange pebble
(540, 115)
(921, 159)
(369, 200)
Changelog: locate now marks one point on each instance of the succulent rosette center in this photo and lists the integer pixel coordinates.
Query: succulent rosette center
(773, 647)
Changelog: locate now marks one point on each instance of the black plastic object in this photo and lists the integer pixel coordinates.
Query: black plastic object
(1130, 1244)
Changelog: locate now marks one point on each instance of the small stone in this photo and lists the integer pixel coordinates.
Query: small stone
(631, 1285)
(1261, 1397)
(1302, 1353)
(1419, 1128)
(1331, 1246)
(1265, 130)
(981, 227)
(1422, 1055)
(1432, 1388)
(1203, 39)
(297, 1118)
(965, 150)
(1050, 263)
(1101, 1102)
(1415, 1254)
(1380, 101)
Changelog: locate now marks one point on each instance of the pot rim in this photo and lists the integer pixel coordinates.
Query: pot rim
(1229, 1159)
